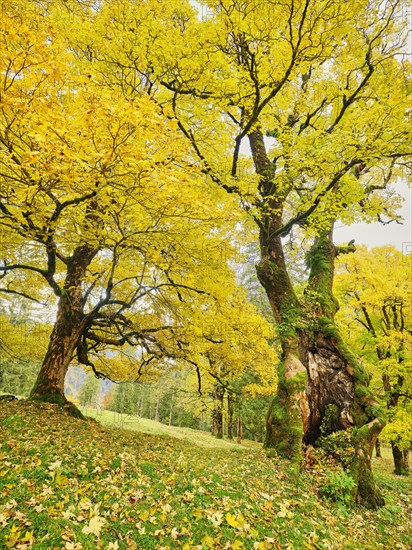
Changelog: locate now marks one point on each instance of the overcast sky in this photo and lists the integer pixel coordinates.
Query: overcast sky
(376, 234)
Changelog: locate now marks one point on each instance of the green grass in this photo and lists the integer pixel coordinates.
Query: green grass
(72, 484)
(145, 425)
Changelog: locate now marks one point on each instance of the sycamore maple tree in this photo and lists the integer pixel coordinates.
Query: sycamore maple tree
(102, 206)
(318, 90)
(374, 288)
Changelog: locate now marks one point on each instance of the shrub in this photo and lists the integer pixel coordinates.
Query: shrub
(338, 487)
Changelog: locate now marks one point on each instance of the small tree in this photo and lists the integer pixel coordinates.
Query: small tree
(90, 391)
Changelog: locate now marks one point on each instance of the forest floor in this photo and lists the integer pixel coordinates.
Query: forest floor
(72, 484)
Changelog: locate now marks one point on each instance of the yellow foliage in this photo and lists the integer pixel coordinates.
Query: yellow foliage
(90, 158)
(375, 293)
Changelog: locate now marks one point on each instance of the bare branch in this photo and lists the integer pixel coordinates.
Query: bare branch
(22, 294)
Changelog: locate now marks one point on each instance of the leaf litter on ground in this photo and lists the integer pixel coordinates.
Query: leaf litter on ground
(70, 484)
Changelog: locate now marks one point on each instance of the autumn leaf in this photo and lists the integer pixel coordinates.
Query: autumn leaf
(216, 518)
(96, 524)
(231, 520)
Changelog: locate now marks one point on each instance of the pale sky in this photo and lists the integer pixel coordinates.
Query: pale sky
(377, 234)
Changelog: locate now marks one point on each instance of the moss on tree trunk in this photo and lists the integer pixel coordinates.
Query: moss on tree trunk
(317, 370)
(284, 425)
(365, 491)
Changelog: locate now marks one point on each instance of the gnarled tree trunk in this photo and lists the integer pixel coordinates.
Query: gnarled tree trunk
(317, 368)
(67, 331)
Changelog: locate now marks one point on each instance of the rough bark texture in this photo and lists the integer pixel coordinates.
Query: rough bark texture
(287, 412)
(317, 368)
(337, 377)
(328, 383)
(66, 334)
(365, 491)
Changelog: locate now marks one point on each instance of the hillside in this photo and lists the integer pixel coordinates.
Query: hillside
(72, 484)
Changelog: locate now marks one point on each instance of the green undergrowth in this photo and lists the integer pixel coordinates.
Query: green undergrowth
(72, 484)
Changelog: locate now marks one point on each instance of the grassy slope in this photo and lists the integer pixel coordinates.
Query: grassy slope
(67, 483)
(145, 425)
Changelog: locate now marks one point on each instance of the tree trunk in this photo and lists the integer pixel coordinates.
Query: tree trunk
(64, 339)
(317, 369)
(337, 377)
(285, 419)
(401, 461)
(217, 413)
(66, 334)
(171, 411)
(378, 448)
(239, 430)
(406, 459)
(230, 415)
(400, 458)
(157, 412)
(365, 491)
(49, 386)
(284, 425)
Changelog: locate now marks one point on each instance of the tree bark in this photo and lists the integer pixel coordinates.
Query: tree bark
(217, 413)
(66, 334)
(157, 412)
(171, 411)
(406, 459)
(317, 369)
(337, 377)
(401, 461)
(230, 415)
(365, 491)
(239, 430)
(378, 448)
(286, 416)
(49, 385)
(400, 458)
